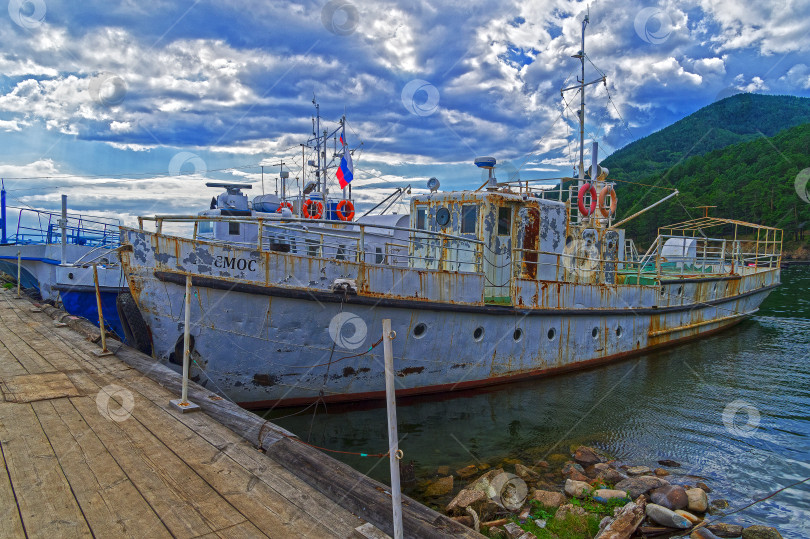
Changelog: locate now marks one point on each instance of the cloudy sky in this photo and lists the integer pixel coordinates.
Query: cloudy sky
(129, 107)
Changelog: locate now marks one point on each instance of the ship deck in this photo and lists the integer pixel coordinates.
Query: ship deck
(90, 447)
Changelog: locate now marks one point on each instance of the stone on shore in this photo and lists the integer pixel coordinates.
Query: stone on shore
(665, 517)
(626, 522)
(698, 501)
(721, 529)
(483, 483)
(604, 495)
(636, 486)
(572, 470)
(443, 470)
(513, 531)
(577, 489)
(526, 473)
(440, 487)
(670, 496)
(694, 519)
(717, 506)
(660, 472)
(549, 498)
(638, 470)
(466, 520)
(467, 471)
(702, 533)
(587, 456)
(464, 499)
(669, 463)
(563, 510)
(610, 476)
(760, 532)
(703, 486)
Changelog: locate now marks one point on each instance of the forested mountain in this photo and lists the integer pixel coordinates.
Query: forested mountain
(750, 181)
(736, 119)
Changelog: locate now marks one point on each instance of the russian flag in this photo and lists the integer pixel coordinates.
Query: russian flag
(342, 140)
(345, 172)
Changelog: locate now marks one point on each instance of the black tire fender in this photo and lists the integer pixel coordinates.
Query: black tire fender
(136, 332)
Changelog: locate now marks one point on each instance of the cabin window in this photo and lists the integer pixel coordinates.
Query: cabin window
(205, 227)
(312, 247)
(505, 221)
(341, 252)
(421, 215)
(379, 255)
(469, 219)
(233, 229)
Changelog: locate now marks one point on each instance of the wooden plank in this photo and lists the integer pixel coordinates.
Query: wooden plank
(22, 352)
(111, 504)
(46, 503)
(185, 503)
(36, 387)
(230, 444)
(9, 366)
(10, 519)
(361, 494)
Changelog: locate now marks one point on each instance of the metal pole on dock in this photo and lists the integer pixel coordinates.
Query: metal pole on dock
(394, 453)
(63, 226)
(104, 351)
(19, 271)
(182, 404)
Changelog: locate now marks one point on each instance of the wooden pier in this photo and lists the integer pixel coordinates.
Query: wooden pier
(90, 447)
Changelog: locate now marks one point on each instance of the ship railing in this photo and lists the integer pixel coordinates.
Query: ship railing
(43, 227)
(366, 243)
(704, 257)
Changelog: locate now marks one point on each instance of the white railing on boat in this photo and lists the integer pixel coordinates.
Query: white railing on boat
(369, 243)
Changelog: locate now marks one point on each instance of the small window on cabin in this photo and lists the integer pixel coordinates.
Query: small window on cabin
(469, 219)
(205, 227)
(379, 258)
(505, 221)
(233, 229)
(421, 217)
(341, 252)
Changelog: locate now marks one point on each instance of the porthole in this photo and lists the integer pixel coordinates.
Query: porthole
(517, 335)
(680, 290)
(420, 330)
(478, 334)
(619, 331)
(595, 333)
(442, 216)
(551, 333)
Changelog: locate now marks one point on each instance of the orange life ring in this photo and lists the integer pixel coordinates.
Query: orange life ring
(614, 202)
(284, 205)
(319, 209)
(349, 215)
(581, 199)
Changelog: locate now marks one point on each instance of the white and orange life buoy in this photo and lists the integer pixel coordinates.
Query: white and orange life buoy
(349, 214)
(614, 201)
(585, 212)
(318, 205)
(284, 205)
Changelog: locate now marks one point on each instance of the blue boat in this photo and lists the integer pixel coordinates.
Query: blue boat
(58, 260)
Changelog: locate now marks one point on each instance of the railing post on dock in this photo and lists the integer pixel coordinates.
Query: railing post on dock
(394, 453)
(182, 404)
(19, 272)
(103, 351)
(63, 226)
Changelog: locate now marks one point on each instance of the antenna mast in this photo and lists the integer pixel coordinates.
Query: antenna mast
(581, 87)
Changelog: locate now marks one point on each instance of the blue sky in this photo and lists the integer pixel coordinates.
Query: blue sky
(129, 107)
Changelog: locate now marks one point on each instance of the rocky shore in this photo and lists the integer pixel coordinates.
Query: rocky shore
(585, 495)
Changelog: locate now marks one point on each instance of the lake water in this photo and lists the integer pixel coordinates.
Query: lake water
(733, 408)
